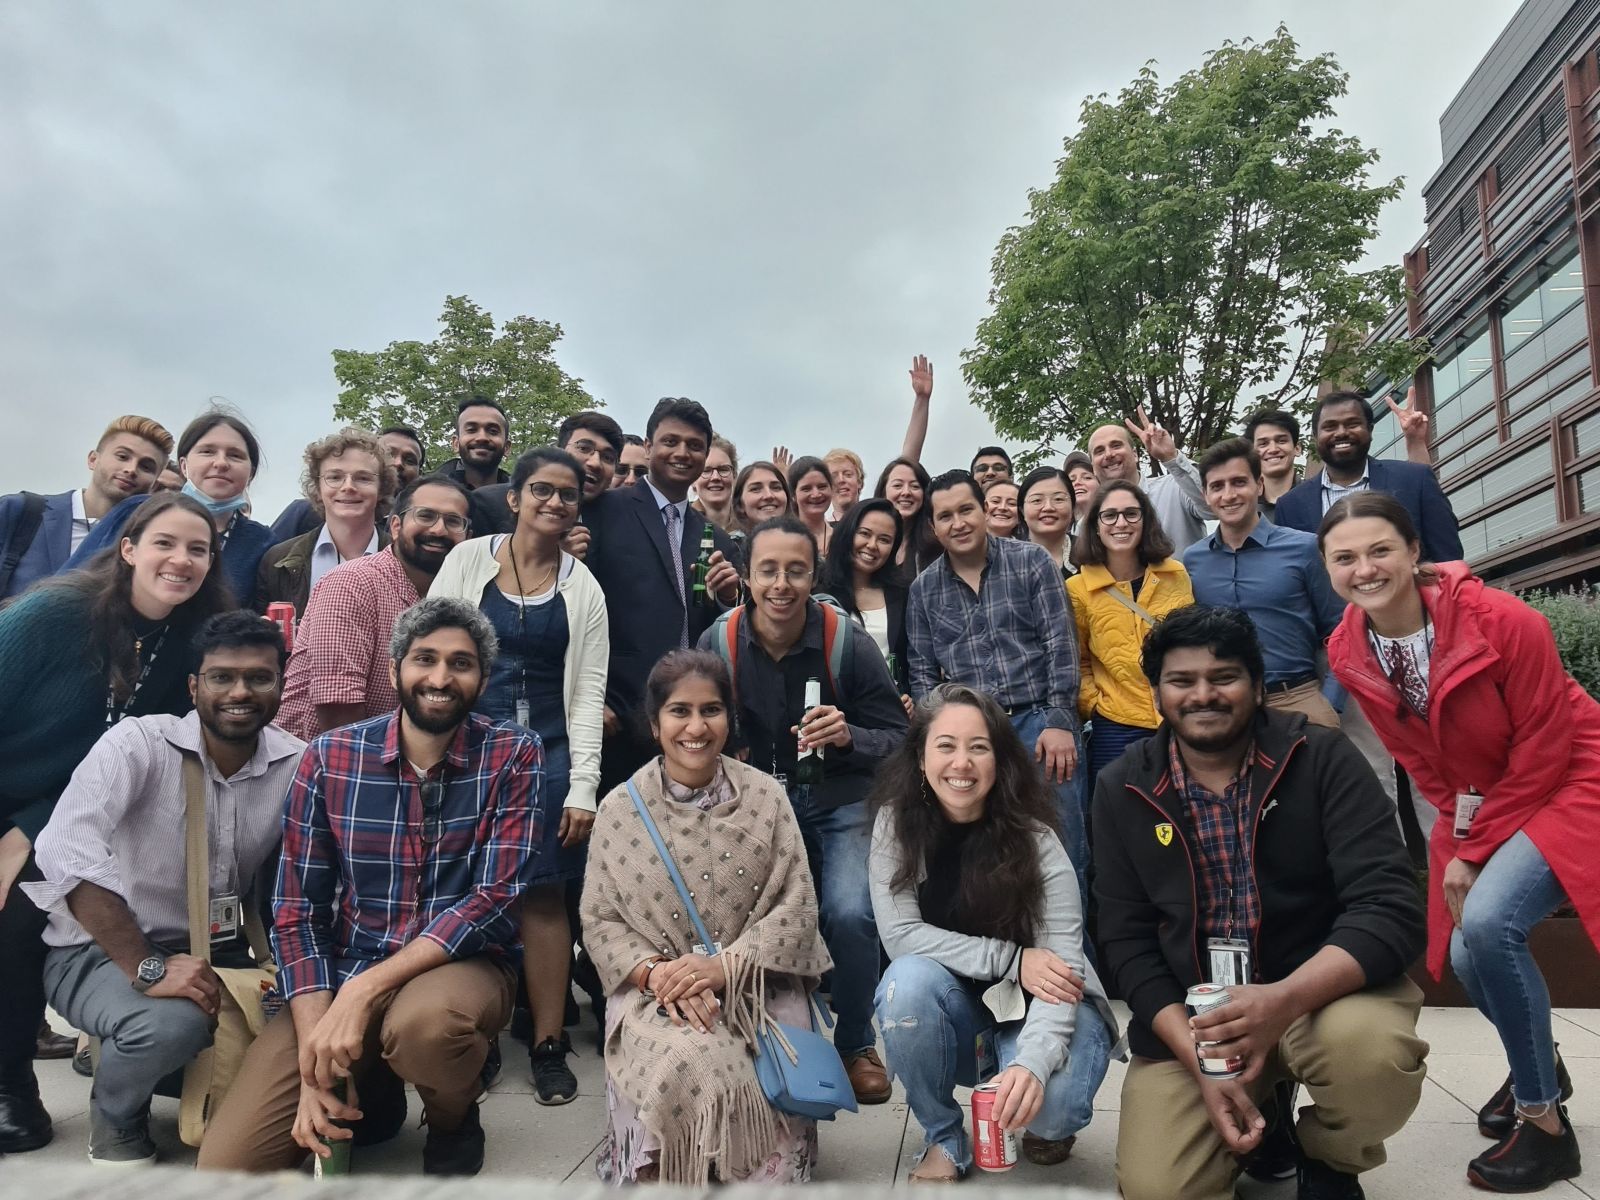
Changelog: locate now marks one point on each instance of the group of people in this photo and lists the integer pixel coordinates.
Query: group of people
(971, 757)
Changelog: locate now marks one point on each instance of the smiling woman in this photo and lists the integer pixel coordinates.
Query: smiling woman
(79, 652)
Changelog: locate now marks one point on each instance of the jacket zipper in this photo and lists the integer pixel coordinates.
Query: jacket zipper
(1255, 831)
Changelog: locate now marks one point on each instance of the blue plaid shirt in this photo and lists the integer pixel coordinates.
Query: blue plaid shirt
(1014, 638)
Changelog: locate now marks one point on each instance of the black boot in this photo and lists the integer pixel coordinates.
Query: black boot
(1498, 1117)
(24, 1124)
(1527, 1159)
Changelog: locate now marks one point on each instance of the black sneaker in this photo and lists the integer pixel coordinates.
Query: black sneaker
(1278, 1155)
(1527, 1159)
(459, 1152)
(553, 1080)
(1316, 1180)
(1499, 1117)
(111, 1146)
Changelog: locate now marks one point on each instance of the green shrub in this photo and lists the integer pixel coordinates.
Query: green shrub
(1575, 618)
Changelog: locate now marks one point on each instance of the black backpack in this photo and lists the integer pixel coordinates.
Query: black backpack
(22, 535)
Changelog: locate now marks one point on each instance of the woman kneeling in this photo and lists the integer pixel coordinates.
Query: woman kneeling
(682, 1097)
(977, 904)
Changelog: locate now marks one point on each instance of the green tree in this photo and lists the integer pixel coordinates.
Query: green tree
(419, 383)
(1198, 244)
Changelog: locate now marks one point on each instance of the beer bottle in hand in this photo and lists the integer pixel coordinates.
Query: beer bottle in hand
(338, 1161)
(702, 566)
(808, 763)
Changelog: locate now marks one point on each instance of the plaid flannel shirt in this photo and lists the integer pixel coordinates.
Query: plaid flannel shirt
(1225, 882)
(1014, 638)
(370, 863)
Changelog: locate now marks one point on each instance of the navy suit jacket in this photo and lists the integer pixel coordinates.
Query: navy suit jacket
(1412, 484)
(51, 546)
(629, 556)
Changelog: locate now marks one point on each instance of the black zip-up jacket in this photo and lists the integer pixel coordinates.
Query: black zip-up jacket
(1328, 859)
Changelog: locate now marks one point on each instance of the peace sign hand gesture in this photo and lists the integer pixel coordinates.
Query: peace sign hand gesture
(1157, 441)
(1413, 423)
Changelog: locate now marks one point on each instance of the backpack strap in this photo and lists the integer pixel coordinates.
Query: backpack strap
(725, 642)
(836, 645)
(22, 535)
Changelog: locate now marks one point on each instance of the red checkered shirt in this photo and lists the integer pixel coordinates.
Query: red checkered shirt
(1225, 882)
(341, 650)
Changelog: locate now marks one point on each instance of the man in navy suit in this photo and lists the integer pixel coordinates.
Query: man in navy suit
(125, 462)
(1342, 425)
(647, 574)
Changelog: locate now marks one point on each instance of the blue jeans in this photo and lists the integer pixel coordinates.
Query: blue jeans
(1072, 797)
(838, 841)
(931, 1020)
(1490, 955)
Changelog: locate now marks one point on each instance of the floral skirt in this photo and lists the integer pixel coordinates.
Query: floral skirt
(628, 1146)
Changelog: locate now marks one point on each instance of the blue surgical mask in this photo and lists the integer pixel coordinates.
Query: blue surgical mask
(217, 508)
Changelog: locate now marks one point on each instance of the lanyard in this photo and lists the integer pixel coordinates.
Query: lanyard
(222, 538)
(520, 604)
(114, 712)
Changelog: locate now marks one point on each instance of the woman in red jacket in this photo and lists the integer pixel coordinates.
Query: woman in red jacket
(1464, 686)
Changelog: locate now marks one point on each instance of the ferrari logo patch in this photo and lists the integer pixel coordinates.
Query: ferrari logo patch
(1164, 834)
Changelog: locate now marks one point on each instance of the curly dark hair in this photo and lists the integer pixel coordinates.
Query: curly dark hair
(1001, 847)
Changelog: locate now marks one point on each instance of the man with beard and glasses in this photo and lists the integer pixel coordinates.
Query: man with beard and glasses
(406, 842)
(340, 669)
(120, 965)
(592, 438)
(1242, 846)
(1342, 425)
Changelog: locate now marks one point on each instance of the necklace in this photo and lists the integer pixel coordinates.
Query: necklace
(511, 553)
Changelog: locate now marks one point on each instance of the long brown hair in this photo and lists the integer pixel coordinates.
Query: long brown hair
(1154, 544)
(107, 581)
(1001, 847)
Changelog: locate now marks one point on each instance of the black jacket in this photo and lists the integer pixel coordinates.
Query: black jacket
(1329, 864)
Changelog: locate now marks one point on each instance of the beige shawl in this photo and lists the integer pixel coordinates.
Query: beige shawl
(745, 864)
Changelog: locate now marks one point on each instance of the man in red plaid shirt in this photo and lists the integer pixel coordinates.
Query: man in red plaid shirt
(407, 841)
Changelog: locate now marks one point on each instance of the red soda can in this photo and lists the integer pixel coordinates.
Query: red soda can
(282, 612)
(993, 1148)
(1203, 997)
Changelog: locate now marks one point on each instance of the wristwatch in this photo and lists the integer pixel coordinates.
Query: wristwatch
(151, 972)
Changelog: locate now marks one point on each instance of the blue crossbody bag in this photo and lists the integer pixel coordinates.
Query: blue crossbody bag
(798, 1069)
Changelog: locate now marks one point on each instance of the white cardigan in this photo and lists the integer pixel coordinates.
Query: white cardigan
(469, 568)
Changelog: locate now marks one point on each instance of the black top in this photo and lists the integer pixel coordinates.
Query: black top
(938, 894)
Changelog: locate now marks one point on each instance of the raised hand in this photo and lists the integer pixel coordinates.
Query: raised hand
(1158, 443)
(921, 377)
(782, 458)
(1413, 422)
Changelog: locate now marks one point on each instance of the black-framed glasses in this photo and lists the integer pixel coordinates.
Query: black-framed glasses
(1109, 516)
(429, 517)
(542, 491)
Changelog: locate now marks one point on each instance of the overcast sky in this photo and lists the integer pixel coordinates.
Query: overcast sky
(768, 208)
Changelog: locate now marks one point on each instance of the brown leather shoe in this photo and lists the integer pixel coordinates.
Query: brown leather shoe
(51, 1044)
(1044, 1151)
(868, 1079)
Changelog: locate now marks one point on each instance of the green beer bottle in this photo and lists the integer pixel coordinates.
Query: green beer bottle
(808, 763)
(338, 1161)
(702, 566)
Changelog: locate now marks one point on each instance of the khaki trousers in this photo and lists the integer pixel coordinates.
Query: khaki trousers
(433, 1033)
(1307, 699)
(1360, 1060)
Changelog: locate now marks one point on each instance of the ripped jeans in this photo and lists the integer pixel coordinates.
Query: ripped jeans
(930, 1019)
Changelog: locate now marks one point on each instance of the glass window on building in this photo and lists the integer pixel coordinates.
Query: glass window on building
(1546, 319)
(1462, 383)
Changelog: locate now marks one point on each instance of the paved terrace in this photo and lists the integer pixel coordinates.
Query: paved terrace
(529, 1143)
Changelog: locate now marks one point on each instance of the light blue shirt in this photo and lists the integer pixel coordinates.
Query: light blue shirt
(1278, 579)
(325, 555)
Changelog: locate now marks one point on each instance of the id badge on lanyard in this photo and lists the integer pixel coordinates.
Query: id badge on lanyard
(224, 919)
(1229, 960)
(1467, 805)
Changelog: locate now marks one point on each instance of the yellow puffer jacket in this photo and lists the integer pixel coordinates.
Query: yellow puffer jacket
(1110, 637)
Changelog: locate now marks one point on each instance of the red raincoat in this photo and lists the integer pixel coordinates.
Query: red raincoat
(1504, 718)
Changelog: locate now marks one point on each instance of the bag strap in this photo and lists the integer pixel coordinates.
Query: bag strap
(1130, 604)
(197, 869)
(22, 535)
(672, 868)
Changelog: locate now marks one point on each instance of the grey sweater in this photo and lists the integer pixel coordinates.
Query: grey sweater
(1047, 1030)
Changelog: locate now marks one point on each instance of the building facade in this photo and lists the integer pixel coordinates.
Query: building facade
(1506, 289)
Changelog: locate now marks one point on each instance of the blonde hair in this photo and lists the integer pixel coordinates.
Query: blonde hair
(851, 457)
(727, 447)
(139, 427)
(347, 439)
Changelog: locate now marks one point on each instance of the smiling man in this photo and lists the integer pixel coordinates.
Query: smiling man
(992, 614)
(777, 641)
(1275, 575)
(407, 840)
(1245, 847)
(39, 533)
(120, 966)
(1174, 494)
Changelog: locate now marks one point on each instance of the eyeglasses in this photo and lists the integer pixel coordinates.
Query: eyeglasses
(719, 472)
(1109, 516)
(638, 472)
(1054, 500)
(363, 479)
(768, 573)
(432, 812)
(428, 517)
(542, 491)
(223, 681)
